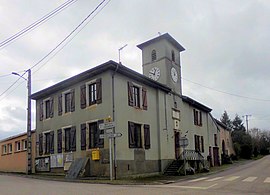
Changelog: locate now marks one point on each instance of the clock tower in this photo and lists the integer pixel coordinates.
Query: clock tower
(161, 61)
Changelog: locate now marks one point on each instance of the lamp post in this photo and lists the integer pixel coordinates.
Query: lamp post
(29, 141)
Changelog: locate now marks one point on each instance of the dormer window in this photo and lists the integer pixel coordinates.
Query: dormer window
(154, 55)
(173, 56)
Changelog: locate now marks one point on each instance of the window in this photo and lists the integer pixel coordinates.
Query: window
(154, 55)
(9, 148)
(199, 143)
(4, 149)
(67, 102)
(215, 139)
(68, 98)
(94, 136)
(91, 93)
(46, 109)
(49, 142)
(197, 117)
(137, 96)
(24, 144)
(70, 139)
(18, 145)
(83, 136)
(135, 136)
(40, 144)
(173, 56)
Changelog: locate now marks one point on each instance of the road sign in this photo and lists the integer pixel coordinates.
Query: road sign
(183, 141)
(101, 136)
(108, 131)
(112, 135)
(107, 125)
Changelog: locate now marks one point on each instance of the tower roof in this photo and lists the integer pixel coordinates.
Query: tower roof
(164, 36)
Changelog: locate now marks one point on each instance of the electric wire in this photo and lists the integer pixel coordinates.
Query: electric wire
(36, 64)
(37, 23)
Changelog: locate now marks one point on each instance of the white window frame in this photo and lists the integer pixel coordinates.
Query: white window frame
(17, 144)
(87, 91)
(10, 148)
(140, 95)
(4, 149)
(24, 144)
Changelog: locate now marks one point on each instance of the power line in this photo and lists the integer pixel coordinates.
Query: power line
(228, 93)
(97, 7)
(37, 23)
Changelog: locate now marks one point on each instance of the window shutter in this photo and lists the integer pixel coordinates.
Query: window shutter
(72, 93)
(41, 110)
(131, 134)
(73, 138)
(100, 141)
(40, 142)
(147, 137)
(144, 98)
(99, 91)
(194, 115)
(52, 142)
(60, 108)
(130, 95)
(200, 118)
(59, 140)
(83, 136)
(202, 142)
(51, 108)
(83, 96)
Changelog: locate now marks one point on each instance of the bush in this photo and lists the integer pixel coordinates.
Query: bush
(246, 151)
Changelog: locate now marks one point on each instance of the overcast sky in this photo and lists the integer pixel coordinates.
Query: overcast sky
(225, 65)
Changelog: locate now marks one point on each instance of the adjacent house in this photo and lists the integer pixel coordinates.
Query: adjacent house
(13, 154)
(149, 112)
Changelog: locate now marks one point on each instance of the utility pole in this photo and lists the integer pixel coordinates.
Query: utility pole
(246, 116)
(29, 140)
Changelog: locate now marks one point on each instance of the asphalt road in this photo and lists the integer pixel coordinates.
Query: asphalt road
(252, 178)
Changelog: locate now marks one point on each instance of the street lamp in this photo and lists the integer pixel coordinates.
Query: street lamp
(29, 141)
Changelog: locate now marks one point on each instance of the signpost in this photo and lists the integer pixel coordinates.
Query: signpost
(183, 142)
(107, 127)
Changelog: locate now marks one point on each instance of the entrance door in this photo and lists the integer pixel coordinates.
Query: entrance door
(177, 144)
(216, 156)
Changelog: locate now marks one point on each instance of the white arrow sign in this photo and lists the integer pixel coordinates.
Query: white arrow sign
(112, 135)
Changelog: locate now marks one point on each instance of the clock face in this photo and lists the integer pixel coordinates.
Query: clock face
(154, 73)
(174, 74)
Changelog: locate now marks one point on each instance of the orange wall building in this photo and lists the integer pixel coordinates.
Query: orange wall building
(13, 153)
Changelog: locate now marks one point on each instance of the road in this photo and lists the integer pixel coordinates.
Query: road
(252, 178)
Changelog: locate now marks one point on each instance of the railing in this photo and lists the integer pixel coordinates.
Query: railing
(191, 155)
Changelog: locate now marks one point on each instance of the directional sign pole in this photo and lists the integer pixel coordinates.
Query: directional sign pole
(110, 143)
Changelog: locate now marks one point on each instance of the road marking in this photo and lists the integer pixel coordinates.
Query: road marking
(250, 179)
(187, 187)
(232, 178)
(214, 179)
(267, 180)
(199, 179)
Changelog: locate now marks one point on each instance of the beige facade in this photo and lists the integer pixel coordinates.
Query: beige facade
(13, 154)
(151, 115)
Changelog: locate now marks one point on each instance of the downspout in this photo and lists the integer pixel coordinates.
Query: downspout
(113, 110)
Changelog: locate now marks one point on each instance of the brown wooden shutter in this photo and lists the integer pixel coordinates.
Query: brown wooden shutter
(131, 134)
(72, 94)
(147, 143)
(200, 118)
(60, 106)
(83, 136)
(144, 98)
(202, 143)
(40, 142)
(51, 108)
(73, 138)
(41, 110)
(194, 115)
(130, 95)
(52, 142)
(59, 140)
(99, 91)
(83, 96)
(100, 141)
